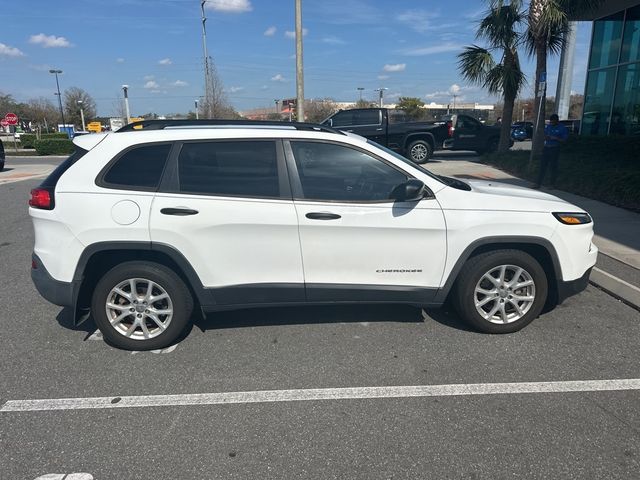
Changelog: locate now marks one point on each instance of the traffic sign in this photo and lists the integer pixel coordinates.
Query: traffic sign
(11, 119)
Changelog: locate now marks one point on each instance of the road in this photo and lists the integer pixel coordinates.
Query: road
(549, 433)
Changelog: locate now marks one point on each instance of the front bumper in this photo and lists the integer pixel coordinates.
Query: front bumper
(573, 287)
(55, 291)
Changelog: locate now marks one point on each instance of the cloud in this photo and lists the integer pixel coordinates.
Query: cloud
(49, 41)
(270, 32)
(120, 60)
(278, 78)
(151, 84)
(264, 87)
(180, 83)
(7, 51)
(235, 89)
(331, 40)
(229, 6)
(418, 20)
(398, 67)
(455, 89)
(383, 77)
(165, 61)
(432, 50)
(292, 35)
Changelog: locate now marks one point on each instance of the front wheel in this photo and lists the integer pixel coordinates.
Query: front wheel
(500, 291)
(141, 306)
(419, 151)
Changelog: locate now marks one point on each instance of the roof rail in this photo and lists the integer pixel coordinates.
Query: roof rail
(163, 124)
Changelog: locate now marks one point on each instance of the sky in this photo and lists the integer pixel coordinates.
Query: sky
(155, 47)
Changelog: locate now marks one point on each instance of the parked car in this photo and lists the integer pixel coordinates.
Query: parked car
(521, 131)
(416, 140)
(143, 227)
(2, 156)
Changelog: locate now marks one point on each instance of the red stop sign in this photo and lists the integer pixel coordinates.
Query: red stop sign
(11, 119)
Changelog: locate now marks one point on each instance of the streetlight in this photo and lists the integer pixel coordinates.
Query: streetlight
(277, 101)
(299, 68)
(380, 94)
(197, 115)
(125, 89)
(360, 89)
(56, 72)
(81, 114)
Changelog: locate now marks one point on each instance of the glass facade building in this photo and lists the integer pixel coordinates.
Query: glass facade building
(612, 92)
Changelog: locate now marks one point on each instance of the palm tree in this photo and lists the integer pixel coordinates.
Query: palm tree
(500, 29)
(547, 22)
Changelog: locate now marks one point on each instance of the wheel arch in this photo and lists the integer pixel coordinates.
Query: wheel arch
(100, 257)
(539, 248)
(426, 136)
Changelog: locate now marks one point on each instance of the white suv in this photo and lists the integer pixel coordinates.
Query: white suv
(140, 227)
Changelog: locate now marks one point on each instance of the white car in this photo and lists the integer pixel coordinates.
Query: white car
(141, 227)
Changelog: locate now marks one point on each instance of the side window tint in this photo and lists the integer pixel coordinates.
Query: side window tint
(334, 172)
(247, 169)
(342, 119)
(367, 117)
(140, 167)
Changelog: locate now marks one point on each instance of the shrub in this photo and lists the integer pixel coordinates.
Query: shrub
(27, 139)
(602, 168)
(54, 146)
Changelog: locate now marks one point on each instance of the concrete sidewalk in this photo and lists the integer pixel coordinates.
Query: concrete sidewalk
(617, 231)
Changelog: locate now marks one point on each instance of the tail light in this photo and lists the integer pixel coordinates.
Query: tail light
(41, 198)
(450, 128)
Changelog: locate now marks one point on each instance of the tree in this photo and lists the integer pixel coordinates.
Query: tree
(41, 111)
(318, 110)
(72, 96)
(365, 104)
(500, 29)
(215, 104)
(547, 22)
(412, 106)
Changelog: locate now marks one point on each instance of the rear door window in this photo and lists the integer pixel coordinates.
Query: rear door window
(229, 168)
(139, 168)
(367, 117)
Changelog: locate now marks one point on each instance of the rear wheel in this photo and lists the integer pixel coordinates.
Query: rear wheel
(419, 151)
(501, 291)
(141, 306)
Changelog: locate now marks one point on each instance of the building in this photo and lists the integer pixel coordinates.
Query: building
(612, 90)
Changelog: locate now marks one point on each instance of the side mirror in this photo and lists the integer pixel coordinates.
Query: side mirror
(410, 191)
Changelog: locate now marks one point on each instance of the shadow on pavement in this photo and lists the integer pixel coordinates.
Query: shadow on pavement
(65, 319)
(309, 314)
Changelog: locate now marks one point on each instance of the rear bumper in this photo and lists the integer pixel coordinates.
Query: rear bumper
(55, 291)
(573, 287)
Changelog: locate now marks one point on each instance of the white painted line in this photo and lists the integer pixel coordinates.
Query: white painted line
(265, 396)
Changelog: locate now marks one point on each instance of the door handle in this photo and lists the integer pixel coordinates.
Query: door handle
(322, 216)
(179, 211)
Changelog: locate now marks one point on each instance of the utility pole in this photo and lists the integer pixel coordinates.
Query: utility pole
(197, 115)
(380, 95)
(56, 72)
(277, 105)
(299, 69)
(82, 115)
(454, 101)
(360, 89)
(125, 89)
(207, 72)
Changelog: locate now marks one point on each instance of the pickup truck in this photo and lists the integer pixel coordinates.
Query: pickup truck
(416, 140)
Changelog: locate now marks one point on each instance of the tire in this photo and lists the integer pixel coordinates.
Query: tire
(175, 302)
(419, 151)
(473, 276)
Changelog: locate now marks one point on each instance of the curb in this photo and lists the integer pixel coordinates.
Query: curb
(617, 287)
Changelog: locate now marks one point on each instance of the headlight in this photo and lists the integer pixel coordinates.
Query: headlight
(572, 218)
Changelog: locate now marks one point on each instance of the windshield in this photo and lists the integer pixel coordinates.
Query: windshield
(406, 160)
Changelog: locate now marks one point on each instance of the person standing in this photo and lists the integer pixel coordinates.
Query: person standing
(554, 135)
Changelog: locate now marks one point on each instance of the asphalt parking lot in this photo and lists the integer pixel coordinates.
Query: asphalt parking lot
(347, 430)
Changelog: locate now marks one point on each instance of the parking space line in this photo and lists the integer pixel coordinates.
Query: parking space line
(268, 396)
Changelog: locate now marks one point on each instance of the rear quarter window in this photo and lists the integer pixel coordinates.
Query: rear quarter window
(139, 168)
